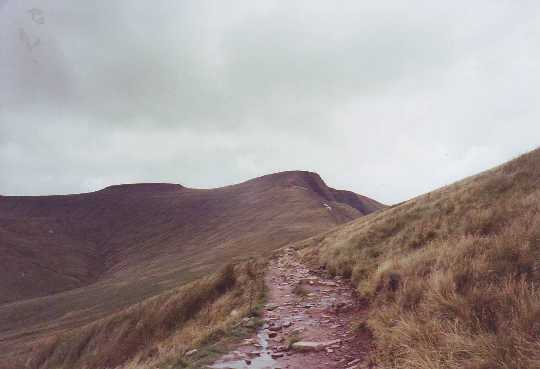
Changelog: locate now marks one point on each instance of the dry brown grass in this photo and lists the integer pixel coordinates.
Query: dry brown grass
(160, 330)
(453, 276)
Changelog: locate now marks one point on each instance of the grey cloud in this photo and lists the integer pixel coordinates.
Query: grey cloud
(387, 98)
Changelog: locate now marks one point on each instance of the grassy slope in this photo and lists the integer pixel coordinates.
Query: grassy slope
(204, 314)
(453, 276)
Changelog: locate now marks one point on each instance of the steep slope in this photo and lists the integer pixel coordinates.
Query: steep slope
(453, 276)
(67, 260)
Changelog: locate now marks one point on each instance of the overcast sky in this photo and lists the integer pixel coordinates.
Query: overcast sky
(390, 99)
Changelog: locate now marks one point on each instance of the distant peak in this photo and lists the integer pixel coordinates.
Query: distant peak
(290, 175)
(309, 180)
(313, 182)
(296, 178)
(293, 176)
(143, 187)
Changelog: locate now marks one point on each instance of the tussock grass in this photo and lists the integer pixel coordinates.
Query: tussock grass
(202, 315)
(453, 276)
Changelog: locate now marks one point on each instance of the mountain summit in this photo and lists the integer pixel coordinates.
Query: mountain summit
(67, 260)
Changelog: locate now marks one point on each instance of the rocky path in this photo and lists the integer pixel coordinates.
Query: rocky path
(310, 323)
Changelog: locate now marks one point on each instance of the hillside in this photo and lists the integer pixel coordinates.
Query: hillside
(68, 260)
(453, 276)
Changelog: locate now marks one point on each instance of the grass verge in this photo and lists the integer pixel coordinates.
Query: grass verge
(453, 276)
(205, 315)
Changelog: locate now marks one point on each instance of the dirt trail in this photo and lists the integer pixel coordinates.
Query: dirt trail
(316, 311)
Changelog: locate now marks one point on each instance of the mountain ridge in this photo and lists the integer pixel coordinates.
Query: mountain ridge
(82, 256)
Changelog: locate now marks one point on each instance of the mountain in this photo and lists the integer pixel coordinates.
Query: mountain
(68, 260)
(452, 277)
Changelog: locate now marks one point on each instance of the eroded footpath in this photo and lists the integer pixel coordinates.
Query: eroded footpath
(310, 322)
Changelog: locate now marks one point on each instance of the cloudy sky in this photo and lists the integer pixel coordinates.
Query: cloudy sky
(386, 98)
